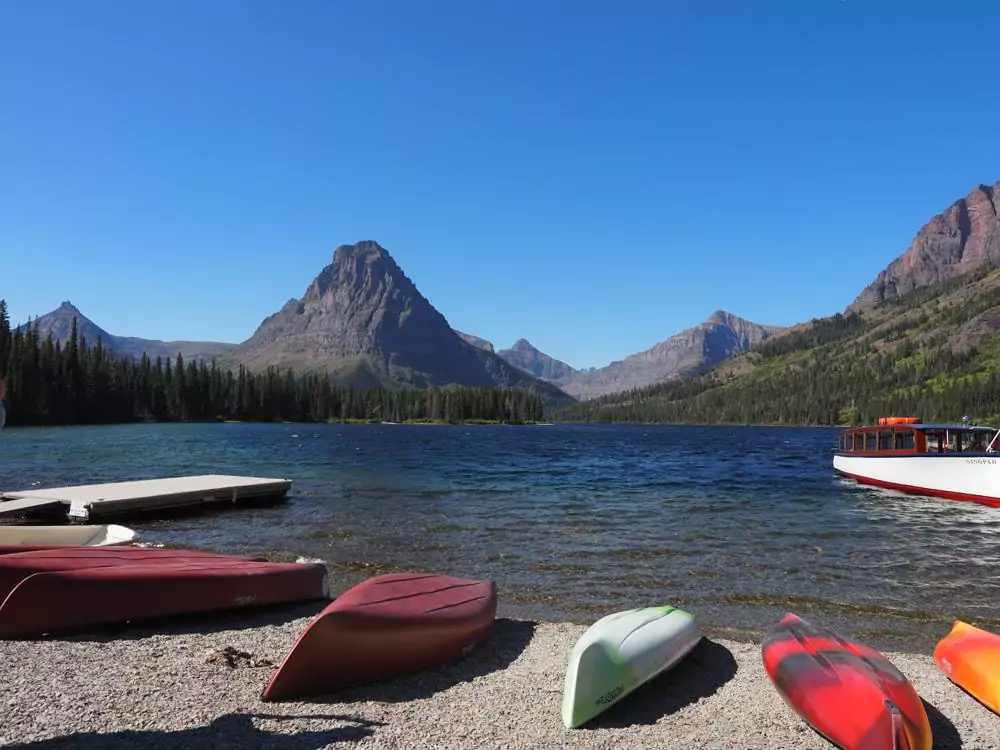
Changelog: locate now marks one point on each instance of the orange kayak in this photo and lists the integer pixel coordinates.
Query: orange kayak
(970, 657)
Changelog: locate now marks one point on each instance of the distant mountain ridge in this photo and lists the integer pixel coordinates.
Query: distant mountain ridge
(364, 322)
(720, 337)
(526, 357)
(59, 323)
(476, 341)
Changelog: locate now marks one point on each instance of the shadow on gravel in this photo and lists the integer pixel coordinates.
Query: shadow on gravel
(203, 623)
(946, 737)
(229, 731)
(508, 640)
(701, 673)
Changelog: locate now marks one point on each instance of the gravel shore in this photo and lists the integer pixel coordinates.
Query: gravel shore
(173, 687)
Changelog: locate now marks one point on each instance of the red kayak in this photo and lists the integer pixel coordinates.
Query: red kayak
(66, 599)
(849, 693)
(16, 566)
(386, 626)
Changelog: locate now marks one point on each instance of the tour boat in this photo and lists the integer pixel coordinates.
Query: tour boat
(954, 461)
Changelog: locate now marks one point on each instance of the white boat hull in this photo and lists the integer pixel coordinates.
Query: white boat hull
(620, 652)
(91, 536)
(973, 476)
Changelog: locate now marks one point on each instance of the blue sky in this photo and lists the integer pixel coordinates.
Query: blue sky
(593, 177)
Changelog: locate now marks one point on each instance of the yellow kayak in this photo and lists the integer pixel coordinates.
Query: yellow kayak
(970, 657)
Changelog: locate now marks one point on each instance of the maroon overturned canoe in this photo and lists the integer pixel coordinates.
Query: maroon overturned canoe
(61, 600)
(16, 566)
(387, 626)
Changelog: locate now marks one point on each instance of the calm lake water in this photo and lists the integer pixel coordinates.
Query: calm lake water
(736, 524)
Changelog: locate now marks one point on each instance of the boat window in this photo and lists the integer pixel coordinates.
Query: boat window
(954, 441)
(935, 442)
(884, 440)
(870, 441)
(904, 440)
(976, 441)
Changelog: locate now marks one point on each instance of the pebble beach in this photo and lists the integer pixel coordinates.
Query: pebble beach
(196, 683)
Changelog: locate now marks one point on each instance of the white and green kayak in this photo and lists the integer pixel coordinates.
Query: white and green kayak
(620, 652)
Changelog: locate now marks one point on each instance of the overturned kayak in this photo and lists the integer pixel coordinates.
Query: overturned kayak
(849, 693)
(62, 600)
(970, 657)
(386, 626)
(620, 652)
(92, 536)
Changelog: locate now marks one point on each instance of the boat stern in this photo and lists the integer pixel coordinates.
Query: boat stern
(596, 678)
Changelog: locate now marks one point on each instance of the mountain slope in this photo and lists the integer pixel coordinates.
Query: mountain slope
(933, 351)
(959, 240)
(59, 323)
(476, 341)
(364, 322)
(721, 336)
(524, 356)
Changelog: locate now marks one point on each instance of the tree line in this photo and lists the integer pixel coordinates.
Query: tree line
(74, 382)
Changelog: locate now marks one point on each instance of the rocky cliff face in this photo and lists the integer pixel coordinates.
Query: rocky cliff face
(476, 341)
(59, 323)
(694, 350)
(363, 321)
(526, 357)
(962, 239)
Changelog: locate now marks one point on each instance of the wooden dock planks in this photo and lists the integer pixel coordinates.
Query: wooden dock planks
(87, 503)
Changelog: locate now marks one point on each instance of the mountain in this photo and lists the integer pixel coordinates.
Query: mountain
(960, 240)
(526, 357)
(363, 321)
(476, 341)
(721, 336)
(59, 323)
(923, 339)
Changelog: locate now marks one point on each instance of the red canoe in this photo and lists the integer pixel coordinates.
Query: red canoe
(847, 692)
(16, 566)
(65, 599)
(386, 626)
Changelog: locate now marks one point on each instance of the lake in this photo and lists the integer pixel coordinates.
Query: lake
(736, 524)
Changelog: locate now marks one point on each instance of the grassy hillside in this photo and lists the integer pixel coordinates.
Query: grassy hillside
(933, 353)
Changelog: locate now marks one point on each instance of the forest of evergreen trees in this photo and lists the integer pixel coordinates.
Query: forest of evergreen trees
(51, 383)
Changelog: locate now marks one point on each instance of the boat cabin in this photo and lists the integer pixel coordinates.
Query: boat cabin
(908, 435)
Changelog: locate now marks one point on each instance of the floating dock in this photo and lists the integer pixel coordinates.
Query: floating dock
(93, 503)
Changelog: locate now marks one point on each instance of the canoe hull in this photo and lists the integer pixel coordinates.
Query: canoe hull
(67, 535)
(387, 626)
(60, 600)
(849, 693)
(970, 657)
(16, 566)
(620, 652)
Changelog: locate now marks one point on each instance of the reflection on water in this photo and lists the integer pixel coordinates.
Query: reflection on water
(736, 524)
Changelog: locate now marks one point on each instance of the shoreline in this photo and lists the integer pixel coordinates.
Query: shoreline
(163, 685)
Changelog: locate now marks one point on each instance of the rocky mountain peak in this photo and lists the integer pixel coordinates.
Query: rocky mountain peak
(365, 322)
(963, 238)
